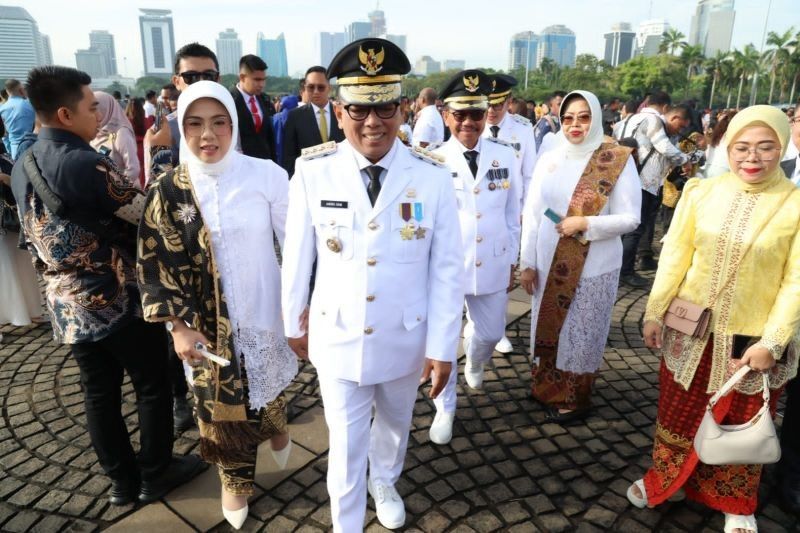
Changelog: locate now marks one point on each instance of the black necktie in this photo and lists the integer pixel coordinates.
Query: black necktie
(472, 161)
(374, 186)
(494, 130)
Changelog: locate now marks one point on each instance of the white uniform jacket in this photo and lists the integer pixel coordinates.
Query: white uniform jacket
(381, 303)
(518, 131)
(490, 219)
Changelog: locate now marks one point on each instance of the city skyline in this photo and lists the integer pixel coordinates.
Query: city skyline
(199, 20)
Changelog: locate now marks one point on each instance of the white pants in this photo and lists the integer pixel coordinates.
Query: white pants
(348, 410)
(486, 315)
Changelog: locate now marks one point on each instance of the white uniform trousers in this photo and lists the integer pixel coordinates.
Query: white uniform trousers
(486, 317)
(348, 410)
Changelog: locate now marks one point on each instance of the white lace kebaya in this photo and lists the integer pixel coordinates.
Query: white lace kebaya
(243, 202)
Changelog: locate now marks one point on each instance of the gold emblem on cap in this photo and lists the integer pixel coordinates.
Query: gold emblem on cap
(371, 61)
(471, 83)
(334, 245)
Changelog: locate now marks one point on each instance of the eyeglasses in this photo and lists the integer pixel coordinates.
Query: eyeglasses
(582, 119)
(497, 107)
(192, 76)
(311, 87)
(475, 115)
(765, 153)
(220, 126)
(795, 121)
(361, 112)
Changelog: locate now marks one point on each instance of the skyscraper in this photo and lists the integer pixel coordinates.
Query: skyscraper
(47, 50)
(229, 51)
(21, 44)
(649, 37)
(103, 41)
(619, 44)
(329, 44)
(523, 49)
(712, 26)
(399, 40)
(358, 30)
(273, 52)
(158, 41)
(453, 64)
(92, 62)
(558, 44)
(377, 21)
(427, 65)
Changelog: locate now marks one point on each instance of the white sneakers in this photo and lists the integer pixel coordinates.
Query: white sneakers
(388, 505)
(504, 346)
(442, 428)
(473, 372)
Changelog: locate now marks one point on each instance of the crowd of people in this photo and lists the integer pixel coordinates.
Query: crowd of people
(156, 228)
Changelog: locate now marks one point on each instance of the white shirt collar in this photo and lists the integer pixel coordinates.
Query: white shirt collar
(463, 148)
(245, 94)
(385, 162)
(796, 176)
(317, 108)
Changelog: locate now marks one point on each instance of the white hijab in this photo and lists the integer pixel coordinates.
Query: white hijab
(207, 89)
(594, 138)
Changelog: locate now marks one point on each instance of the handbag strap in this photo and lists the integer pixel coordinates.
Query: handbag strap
(731, 383)
(50, 199)
(748, 245)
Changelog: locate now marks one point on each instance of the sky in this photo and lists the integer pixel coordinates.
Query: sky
(473, 30)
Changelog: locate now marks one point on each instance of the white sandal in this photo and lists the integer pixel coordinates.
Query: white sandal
(641, 503)
(738, 521)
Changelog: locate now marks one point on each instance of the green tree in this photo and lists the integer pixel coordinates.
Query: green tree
(715, 65)
(692, 58)
(777, 55)
(147, 83)
(746, 64)
(793, 66)
(672, 40)
(643, 74)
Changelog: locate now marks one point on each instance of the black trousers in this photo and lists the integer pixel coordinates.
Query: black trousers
(140, 349)
(641, 238)
(177, 376)
(790, 436)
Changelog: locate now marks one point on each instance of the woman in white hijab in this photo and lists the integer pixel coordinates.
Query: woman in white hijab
(585, 194)
(207, 267)
(116, 138)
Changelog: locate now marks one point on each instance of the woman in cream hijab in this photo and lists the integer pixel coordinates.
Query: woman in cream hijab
(207, 267)
(733, 247)
(116, 138)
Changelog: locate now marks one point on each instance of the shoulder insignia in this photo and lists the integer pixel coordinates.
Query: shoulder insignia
(320, 150)
(504, 142)
(520, 119)
(433, 146)
(427, 156)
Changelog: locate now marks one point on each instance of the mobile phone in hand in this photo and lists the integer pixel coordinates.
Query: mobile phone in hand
(552, 215)
(159, 116)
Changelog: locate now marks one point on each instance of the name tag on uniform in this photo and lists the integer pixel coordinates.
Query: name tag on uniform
(339, 204)
(454, 174)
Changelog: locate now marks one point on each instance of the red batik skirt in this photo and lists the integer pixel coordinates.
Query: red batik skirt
(728, 488)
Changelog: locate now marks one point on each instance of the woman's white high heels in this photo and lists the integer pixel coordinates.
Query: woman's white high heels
(282, 456)
(236, 518)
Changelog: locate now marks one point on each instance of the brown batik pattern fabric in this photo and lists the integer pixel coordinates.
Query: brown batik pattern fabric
(178, 277)
(559, 388)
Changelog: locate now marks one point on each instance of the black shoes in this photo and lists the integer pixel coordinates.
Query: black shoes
(634, 280)
(556, 417)
(179, 471)
(123, 491)
(182, 413)
(648, 263)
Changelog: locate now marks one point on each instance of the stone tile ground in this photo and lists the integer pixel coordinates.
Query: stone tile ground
(505, 469)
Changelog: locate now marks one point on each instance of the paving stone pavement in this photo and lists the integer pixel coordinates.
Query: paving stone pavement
(505, 469)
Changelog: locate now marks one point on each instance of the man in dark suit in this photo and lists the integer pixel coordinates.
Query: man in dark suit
(254, 109)
(313, 123)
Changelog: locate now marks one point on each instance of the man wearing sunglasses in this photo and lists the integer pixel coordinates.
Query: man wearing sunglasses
(486, 176)
(382, 223)
(311, 124)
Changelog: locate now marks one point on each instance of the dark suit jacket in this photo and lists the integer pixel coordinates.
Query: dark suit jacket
(301, 131)
(261, 144)
(788, 167)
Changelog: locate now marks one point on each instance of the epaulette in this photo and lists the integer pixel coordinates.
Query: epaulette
(433, 146)
(427, 156)
(320, 150)
(520, 119)
(503, 142)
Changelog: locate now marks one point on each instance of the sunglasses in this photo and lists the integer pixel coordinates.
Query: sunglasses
(311, 87)
(361, 112)
(475, 115)
(583, 119)
(192, 76)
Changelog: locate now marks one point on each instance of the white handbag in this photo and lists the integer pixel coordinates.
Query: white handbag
(754, 442)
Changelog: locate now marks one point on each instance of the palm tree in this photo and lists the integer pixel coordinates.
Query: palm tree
(777, 56)
(547, 66)
(746, 62)
(793, 66)
(692, 57)
(671, 40)
(715, 65)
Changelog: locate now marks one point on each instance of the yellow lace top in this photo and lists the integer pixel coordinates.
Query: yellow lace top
(706, 245)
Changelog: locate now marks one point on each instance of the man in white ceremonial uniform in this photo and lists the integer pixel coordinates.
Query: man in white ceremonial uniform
(382, 222)
(517, 130)
(486, 177)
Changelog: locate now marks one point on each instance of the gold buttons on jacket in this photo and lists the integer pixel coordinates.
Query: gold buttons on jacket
(478, 263)
(371, 298)
(478, 239)
(372, 226)
(372, 261)
(368, 331)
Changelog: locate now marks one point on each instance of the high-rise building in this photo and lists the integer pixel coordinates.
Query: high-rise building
(329, 44)
(92, 62)
(649, 37)
(427, 65)
(712, 26)
(453, 64)
(399, 40)
(558, 44)
(377, 22)
(273, 52)
(47, 50)
(21, 44)
(522, 50)
(103, 41)
(158, 41)
(358, 30)
(229, 51)
(619, 44)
